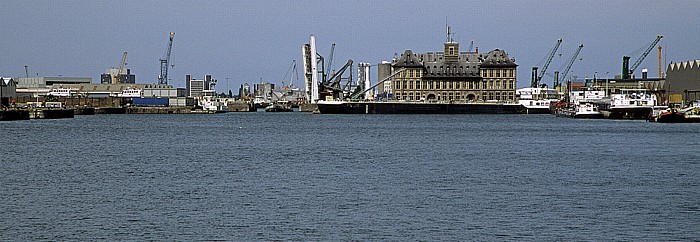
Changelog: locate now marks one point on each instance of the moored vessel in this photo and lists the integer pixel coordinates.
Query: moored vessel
(537, 100)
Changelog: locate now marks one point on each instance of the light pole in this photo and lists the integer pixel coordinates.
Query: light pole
(606, 83)
(226, 86)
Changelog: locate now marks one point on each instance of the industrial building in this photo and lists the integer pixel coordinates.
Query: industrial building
(684, 78)
(124, 77)
(44, 82)
(451, 75)
(8, 91)
(40, 86)
(200, 88)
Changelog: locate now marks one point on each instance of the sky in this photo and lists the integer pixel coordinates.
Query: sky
(254, 41)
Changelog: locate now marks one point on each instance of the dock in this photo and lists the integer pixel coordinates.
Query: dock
(9, 115)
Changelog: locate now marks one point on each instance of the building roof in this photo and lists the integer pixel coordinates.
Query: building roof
(686, 65)
(6, 81)
(497, 58)
(408, 59)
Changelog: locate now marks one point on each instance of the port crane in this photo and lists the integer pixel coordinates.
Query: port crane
(292, 72)
(537, 78)
(571, 62)
(165, 61)
(628, 71)
(116, 78)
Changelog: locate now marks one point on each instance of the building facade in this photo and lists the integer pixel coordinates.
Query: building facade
(453, 76)
(200, 88)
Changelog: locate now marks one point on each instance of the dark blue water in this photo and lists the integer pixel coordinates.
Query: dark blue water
(298, 176)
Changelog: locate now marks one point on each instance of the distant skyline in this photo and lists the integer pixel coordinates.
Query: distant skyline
(250, 41)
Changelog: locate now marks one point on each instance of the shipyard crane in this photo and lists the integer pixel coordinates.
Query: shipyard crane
(291, 72)
(330, 58)
(537, 78)
(628, 71)
(116, 78)
(165, 61)
(571, 62)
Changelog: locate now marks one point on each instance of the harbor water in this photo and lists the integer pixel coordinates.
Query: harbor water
(298, 176)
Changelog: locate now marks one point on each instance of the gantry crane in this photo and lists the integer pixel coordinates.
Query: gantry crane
(537, 78)
(165, 61)
(626, 70)
(116, 78)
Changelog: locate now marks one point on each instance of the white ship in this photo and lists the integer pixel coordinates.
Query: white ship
(537, 100)
(631, 104)
(584, 104)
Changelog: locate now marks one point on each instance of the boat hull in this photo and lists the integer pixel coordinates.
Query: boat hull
(630, 113)
(418, 108)
(676, 117)
(537, 110)
(278, 109)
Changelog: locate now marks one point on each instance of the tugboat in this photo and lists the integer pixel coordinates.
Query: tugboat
(690, 114)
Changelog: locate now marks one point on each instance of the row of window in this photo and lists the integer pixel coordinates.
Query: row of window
(456, 96)
(484, 72)
(433, 85)
(497, 72)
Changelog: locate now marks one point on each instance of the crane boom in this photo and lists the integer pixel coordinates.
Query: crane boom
(117, 77)
(538, 78)
(163, 77)
(330, 58)
(626, 73)
(571, 62)
(549, 59)
(356, 95)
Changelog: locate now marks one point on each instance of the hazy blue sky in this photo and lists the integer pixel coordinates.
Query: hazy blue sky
(249, 40)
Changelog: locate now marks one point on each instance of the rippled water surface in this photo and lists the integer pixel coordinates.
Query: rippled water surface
(298, 176)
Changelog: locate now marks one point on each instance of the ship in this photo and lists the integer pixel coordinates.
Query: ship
(409, 107)
(581, 104)
(630, 104)
(690, 114)
(537, 100)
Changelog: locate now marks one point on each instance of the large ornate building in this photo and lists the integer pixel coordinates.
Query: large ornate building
(453, 76)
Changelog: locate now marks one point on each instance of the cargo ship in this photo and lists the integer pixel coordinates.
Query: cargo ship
(406, 107)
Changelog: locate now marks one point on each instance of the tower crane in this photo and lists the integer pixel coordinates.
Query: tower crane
(626, 70)
(571, 62)
(117, 77)
(537, 78)
(165, 61)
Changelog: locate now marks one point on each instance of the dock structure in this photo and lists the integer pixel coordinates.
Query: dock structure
(14, 114)
(50, 113)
